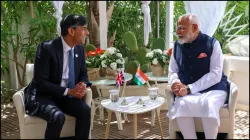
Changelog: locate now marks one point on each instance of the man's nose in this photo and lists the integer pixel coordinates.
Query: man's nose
(87, 32)
(177, 31)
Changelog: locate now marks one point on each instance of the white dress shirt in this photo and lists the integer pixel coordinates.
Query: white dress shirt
(65, 73)
(214, 75)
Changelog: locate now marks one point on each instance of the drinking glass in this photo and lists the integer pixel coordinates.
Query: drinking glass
(153, 92)
(114, 95)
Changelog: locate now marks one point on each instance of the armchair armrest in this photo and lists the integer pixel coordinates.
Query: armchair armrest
(88, 96)
(233, 95)
(18, 99)
(170, 96)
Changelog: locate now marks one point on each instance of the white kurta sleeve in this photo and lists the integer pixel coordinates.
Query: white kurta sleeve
(173, 70)
(215, 73)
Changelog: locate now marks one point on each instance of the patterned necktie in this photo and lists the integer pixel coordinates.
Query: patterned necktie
(71, 79)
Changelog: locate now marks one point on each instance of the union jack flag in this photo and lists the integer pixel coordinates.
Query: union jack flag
(120, 79)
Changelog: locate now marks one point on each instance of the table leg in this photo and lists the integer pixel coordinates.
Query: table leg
(159, 121)
(108, 124)
(135, 126)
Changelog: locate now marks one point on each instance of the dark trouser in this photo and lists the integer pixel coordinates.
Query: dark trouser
(53, 113)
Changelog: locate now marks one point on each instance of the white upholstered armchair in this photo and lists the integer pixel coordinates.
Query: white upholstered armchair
(227, 114)
(32, 127)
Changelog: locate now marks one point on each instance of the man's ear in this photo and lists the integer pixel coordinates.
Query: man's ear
(71, 31)
(195, 27)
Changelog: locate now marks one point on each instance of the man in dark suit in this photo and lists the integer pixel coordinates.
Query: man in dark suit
(60, 76)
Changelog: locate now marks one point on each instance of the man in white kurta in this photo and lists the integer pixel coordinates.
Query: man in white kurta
(204, 96)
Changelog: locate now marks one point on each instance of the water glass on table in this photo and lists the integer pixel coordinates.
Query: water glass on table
(114, 95)
(153, 92)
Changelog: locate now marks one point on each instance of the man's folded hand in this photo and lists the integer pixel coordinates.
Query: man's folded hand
(78, 91)
(176, 87)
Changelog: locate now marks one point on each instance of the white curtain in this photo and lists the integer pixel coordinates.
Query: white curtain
(209, 13)
(58, 14)
(147, 20)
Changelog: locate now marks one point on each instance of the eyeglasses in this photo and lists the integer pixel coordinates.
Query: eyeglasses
(181, 27)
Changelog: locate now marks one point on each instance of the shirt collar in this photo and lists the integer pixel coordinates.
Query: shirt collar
(66, 47)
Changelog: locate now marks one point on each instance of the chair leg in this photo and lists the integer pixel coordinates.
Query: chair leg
(153, 118)
(119, 120)
(92, 115)
(125, 116)
(172, 132)
(172, 135)
(102, 113)
(230, 135)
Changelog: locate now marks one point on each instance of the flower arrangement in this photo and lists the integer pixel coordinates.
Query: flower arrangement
(112, 58)
(156, 56)
(93, 58)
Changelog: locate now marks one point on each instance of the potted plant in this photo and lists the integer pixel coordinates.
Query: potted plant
(93, 63)
(157, 60)
(112, 61)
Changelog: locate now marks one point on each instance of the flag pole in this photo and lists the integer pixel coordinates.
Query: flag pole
(148, 84)
(124, 102)
(119, 87)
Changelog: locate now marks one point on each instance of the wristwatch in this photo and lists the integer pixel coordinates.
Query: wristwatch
(188, 90)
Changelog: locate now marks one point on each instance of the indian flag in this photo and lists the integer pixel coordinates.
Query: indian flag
(140, 77)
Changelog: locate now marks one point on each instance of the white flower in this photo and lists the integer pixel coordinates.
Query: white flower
(118, 61)
(155, 61)
(113, 65)
(104, 64)
(119, 55)
(103, 56)
(122, 61)
(164, 58)
(165, 51)
(158, 51)
(150, 54)
(111, 50)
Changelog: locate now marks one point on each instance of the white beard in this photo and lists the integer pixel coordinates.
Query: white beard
(187, 39)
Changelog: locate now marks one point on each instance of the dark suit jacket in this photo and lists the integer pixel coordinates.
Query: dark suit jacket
(48, 68)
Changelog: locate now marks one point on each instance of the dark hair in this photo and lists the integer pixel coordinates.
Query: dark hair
(73, 21)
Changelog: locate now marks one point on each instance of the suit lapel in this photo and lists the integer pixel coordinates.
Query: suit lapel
(59, 53)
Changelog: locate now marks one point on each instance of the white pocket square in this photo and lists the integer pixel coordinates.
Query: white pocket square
(76, 55)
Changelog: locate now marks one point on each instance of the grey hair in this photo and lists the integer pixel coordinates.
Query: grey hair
(193, 19)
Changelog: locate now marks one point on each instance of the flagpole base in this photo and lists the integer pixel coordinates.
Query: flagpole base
(140, 101)
(124, 102)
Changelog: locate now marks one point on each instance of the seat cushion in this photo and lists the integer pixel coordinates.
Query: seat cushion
(224, 112)
(34, 120)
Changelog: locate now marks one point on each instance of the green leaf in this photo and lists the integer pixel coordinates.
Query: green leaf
(37, 13)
